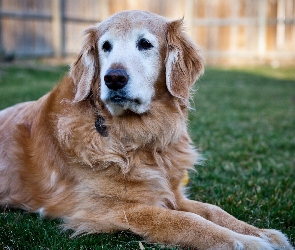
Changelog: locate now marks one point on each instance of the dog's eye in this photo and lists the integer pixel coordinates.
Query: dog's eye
(106, 47)
(144, 44)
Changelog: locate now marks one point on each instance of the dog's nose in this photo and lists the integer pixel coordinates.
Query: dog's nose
(116, 79)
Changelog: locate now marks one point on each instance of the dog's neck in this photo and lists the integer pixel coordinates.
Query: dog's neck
(116, 138)
(161, 126)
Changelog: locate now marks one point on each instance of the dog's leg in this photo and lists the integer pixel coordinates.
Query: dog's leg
(182, 228)
(222, 218)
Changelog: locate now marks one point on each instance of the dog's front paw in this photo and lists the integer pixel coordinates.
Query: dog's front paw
(277, 239)
(247, 242)
(243, 242)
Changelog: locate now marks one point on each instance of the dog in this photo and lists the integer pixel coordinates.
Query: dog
(108, 147)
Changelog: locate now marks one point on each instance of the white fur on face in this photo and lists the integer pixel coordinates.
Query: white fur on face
(141, 66)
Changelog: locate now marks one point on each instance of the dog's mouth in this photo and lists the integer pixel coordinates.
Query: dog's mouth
(119, 104)
(122, 100)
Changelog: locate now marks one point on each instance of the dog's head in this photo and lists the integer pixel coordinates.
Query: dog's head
(131, 57)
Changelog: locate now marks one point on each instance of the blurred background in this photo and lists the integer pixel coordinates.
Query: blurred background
(229, 32)
(242, 118)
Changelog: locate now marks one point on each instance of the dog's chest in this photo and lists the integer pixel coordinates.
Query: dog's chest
(145, 183)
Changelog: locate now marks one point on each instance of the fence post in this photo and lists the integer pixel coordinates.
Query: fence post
(1, 35)
(57, 28)
(281, 16)
(234, 31)
(104, 9)
(262, 17)
(189, 16)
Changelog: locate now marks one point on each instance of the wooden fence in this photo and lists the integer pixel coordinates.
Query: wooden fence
(228, 31)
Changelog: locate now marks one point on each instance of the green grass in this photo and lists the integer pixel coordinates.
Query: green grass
(25, 83)
(244, 125)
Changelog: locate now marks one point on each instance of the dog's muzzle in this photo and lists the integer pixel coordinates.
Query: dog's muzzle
(118, 96)
(116, 79)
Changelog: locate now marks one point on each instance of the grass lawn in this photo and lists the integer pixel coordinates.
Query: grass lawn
(243, 122)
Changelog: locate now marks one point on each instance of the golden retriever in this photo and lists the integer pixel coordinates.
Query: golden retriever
(107, 149)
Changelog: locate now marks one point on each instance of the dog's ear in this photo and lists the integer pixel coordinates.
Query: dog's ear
(183, 63)
(84, 70)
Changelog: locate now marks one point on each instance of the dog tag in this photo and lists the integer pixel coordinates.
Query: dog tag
(100, 127)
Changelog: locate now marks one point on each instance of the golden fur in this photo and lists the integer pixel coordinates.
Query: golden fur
(54, 161)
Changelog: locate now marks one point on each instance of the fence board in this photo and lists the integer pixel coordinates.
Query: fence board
(229, 31)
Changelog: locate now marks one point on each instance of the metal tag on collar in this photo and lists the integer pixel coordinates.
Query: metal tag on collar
(100, 127)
